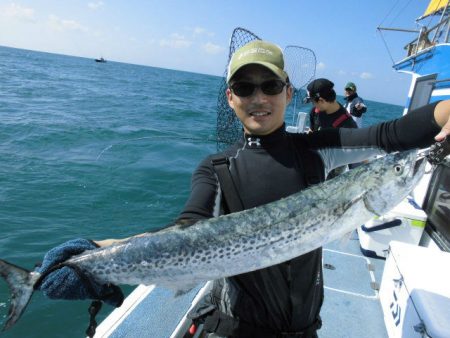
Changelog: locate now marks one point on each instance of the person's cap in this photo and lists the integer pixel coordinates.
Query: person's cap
(261, 53)
(319, 88)
(350, 86)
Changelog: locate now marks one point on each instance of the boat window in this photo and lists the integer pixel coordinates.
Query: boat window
(437, 206)
(422, 91)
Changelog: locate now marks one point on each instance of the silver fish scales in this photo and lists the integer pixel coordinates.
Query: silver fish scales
(181, 257)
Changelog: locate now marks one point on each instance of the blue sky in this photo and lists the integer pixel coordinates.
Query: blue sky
(194, 35)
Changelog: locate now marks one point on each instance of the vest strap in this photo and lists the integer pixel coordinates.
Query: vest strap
(232, 198)
(340, 120)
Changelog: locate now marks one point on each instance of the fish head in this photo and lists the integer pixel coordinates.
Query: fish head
(393, 178)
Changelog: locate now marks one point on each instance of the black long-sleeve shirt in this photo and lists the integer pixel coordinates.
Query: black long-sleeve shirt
(339, 119)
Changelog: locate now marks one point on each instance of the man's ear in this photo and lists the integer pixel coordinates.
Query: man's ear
(230, 98)
(289, 93)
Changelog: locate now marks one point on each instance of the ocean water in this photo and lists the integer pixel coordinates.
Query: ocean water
(96, 150)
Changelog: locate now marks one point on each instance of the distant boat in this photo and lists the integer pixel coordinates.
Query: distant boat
(100, 60)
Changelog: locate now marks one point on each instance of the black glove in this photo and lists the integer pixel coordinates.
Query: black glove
(358, 112)
(67, 283)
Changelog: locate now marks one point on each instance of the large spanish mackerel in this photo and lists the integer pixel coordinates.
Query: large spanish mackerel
(180, 258)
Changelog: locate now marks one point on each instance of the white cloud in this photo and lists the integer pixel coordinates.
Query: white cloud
(176, 36)
(212, 48)
(320, 66)
(366, 75)
(175, 41)
(95, 5)
(17, 12)
(63, 25)
(342, 72)
(201, 31)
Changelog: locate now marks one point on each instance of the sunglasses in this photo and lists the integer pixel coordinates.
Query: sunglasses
(245, 89)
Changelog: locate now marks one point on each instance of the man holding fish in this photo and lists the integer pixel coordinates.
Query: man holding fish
(282, 294)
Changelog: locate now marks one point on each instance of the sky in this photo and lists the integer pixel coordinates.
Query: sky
(194, 35)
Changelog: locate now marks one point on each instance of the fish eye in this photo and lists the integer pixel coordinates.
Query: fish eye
(398, 169)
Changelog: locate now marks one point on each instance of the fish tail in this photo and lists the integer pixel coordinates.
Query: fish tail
(21, 283)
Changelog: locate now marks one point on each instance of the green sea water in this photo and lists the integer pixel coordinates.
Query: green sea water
(96, 150)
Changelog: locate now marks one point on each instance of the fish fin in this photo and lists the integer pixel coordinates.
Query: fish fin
(21, 284)
(347, 237)
(181, 291)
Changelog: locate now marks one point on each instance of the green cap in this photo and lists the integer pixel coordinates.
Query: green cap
(261, 53)
(351, 86)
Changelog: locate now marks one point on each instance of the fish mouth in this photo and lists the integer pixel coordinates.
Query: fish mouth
(415, 162)
(418, 165)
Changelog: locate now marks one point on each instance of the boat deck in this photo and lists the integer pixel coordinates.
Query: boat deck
(351, 306)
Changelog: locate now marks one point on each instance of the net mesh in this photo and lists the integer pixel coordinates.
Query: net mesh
(229, 128)
(300, 64)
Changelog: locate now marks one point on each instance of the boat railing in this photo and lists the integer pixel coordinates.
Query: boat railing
(427, 37)
(423, 40)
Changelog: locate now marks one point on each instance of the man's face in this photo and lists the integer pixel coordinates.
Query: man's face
(260, 113)
(320, 104)
(348, 92)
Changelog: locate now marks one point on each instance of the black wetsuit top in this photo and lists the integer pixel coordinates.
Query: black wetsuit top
(339, 119)
(287, 297)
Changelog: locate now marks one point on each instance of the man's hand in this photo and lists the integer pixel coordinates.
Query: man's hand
(67, 283)
(442, 117)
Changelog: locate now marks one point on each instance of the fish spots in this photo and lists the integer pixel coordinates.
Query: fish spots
(237, 252)
(291, 214)
(248, 240)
